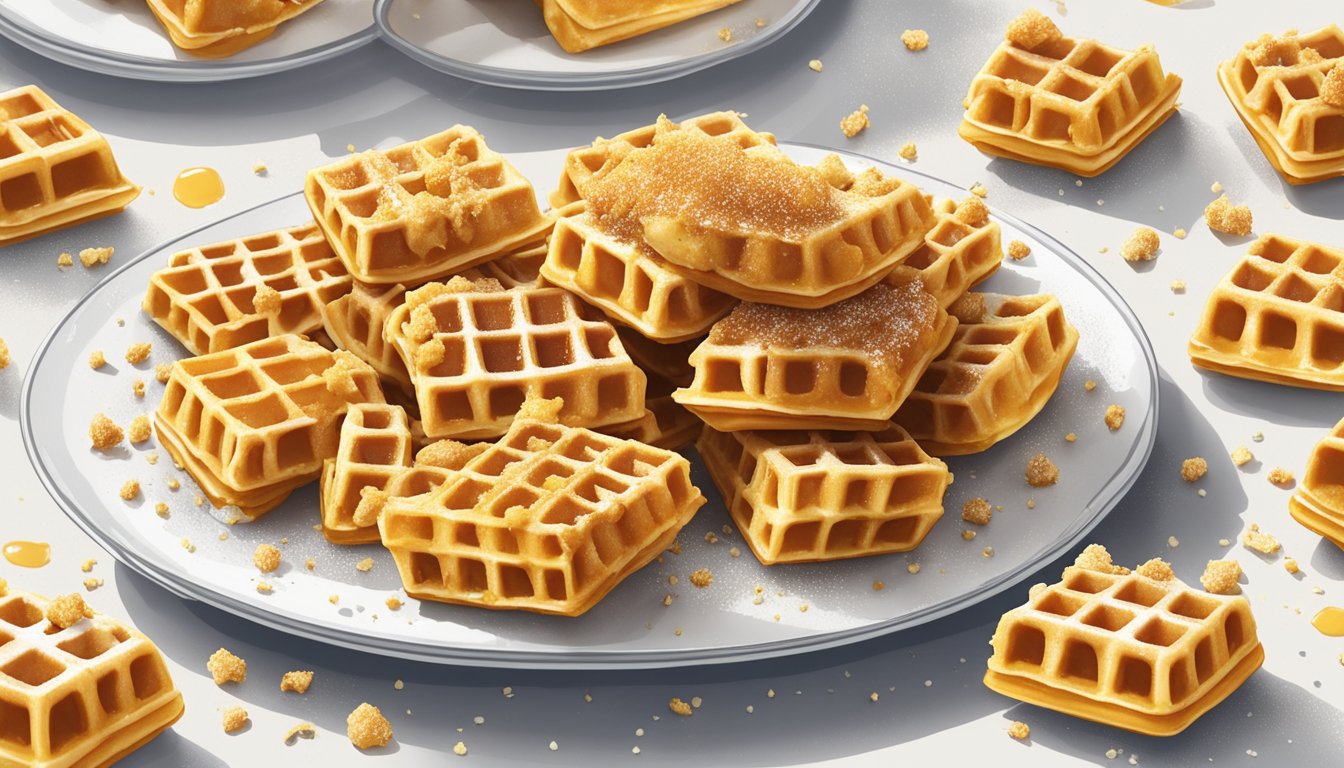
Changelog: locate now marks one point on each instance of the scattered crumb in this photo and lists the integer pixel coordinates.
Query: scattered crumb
(1216, 187)
(1222, 216)
(66, 610)
(1071, 437)
(1242, 456)
(266, 558)
(139, 430)
(367, 727)
(91, 584)
(296, 681)
(1220, 577)
(300, 731)
(878, 586)
(1156, 569)
(979, 190)
(138, 387)
(814, 65)
(1018, 250)
(968, 535)
(310, 563)
(1031, 503)
(726, 34)
(161, 509)
(909, 151)
(680, 707)
(915, 39)
(1089, 385)
(365, 565)
(1178, 286)
(1194, 468)
(393, 603)
(129, 490)
(855, 122)
(1280, 476)
(912, 568)
(1258, 437)
(87, 565)
(65, 260)
(1179, 234)
(138, 353)
(460, 749)
(224, 667)
(1031, 29)
(1019, 730)
(4, 354)
(987, 552)
(1141, 246)
(1041, 471)
(1096, 558)
(702, 578)
(92, 257)
(259, 168)
(1114, 416)
(977, 511)
(1258, 540)
(264, 587)
(162, 372)
(97, 359)
(1290, 565)
(1332, 90)
(1173, 542)
(234, 719)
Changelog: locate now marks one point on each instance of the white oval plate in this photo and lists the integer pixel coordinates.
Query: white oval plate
(802, 607)
(124, 39)
(506, 43)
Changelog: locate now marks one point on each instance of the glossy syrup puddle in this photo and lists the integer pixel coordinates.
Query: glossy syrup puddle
(28, 554)
(198, 187)
(1330, 621)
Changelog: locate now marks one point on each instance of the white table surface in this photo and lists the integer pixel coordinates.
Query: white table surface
(932, 706)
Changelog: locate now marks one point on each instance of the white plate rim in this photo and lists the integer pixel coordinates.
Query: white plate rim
(126, 552)
(58, 49)
(540, 81)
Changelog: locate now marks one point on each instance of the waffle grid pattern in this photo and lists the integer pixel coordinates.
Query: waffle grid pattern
(375, 447)
(811, 496)
(549, 519)
(355, 322)
(1318, 502)
(954, 257)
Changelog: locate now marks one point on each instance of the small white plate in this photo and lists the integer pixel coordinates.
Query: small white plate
(506, 43)
(124, 39)
(801, 607)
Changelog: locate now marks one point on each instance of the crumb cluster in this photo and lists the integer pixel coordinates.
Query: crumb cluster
(104, 433)
(1259, 541)
(1041, 471)
(1018, 250)
(65, 611)
(266, 558)
(855, 122)
(1194, 468)
(1230, 219)
(367, 727)
(1114, 416)
(1142, 245)
(1220, 577)
(235, 718)
(915, 39)
(225, 667)
(977, 511)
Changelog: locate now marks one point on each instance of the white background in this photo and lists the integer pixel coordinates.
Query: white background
(821, 713)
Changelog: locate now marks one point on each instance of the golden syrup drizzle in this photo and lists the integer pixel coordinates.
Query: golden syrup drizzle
(28, 554)
(1330, 621)
(198, 187)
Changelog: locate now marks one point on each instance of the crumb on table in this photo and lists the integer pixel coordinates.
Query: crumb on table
(296, 681)
(679, 707)
(138, 353)
(92, 257)
(1220, 577)
(367, 728)
(140, 430)
(97, 359)
(977, 511)
(702, 577)
(1280, 476)
(66, 610)
(234, 719)
(1142, 245)
(1242, 456)
(129, 490)
(1194, 468)
(1019, 730)
(814, 65)
(855, 122)
(300, 731)
(1259, 541)
(915, 39)
(1041, 471)
(225, 667)
(1230, 219)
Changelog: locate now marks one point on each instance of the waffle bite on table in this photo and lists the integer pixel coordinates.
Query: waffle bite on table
(1278, 316)
(1004, 363)
(1074, 104)
(753, 224)
(1318, 502)
(253, 423)
(375, 447)
(962, 249)
(55, 169)
(77, 688)
(846, 366)
(1145, 654)
(580, 25)
(807, 496)
(476, 352)
(1289, 91)
(549, 519)
(219, 28)
(424, 210)
(224, 295)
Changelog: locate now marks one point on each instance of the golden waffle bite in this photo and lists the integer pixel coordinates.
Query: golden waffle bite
(549, 519)
(585, 163)
(355, 322)
(1277, 316)
(1001, 368)
(755, 225)
(219, 28)
(847, 366)
(81, 695)
(1070, 103)
(224, 295)
(630, 285)
(1126, 650)
(476, 353)
(580, 25)
(252, 423)
(55, 169)
(424, 210)
(962, 249)
(374, 448)
(1318, 502)
(1289, 91)
(808, 496)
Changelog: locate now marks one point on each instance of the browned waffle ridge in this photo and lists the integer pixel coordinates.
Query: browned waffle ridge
(375, 447)
(956, 254)
(580, 25)
(1318, 502)
(219, 28)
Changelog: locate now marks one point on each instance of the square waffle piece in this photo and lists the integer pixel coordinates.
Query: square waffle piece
(1138, 653)
(630, 283)
(549, 519)
(962, 249)
(224, 295)
(375, 447)
(253, 423)
(475, 353)
(801, 497)
(1277, 316)
(82, 696)
(425, 209)
(847, 366)
(55, 169)
(753, 224)
(580, 25)
(355, 322)
(1004, 363)
(218, 28)
(1073, 104)
(1289, 91)
(1318, 502)
(585, 163)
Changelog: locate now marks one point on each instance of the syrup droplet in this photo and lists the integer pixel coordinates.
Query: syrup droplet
(198, 187)
(28, 554)
(1330, 621)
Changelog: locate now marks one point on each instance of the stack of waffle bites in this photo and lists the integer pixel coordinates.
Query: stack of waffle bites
(547, 364)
